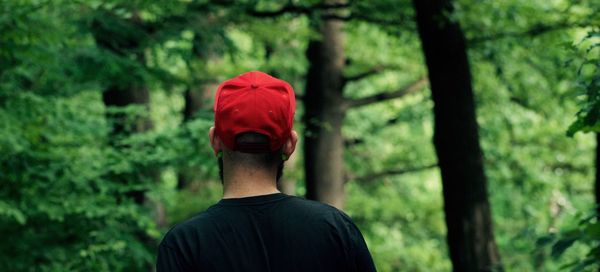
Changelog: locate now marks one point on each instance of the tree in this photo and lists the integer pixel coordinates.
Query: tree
(326, 105)
(324, 114)
(468, 218)
(83, 221)
(65, 155)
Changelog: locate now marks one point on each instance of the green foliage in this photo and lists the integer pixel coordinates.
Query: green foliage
(585, 62)
(587, 59)
(59, 210)
(64, 202)
(539, 178)
(586, 232)
(61, 207)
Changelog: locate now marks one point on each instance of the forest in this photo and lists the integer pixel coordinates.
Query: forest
(460, 135)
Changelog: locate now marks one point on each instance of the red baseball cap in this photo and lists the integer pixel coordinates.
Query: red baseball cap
(254, 102)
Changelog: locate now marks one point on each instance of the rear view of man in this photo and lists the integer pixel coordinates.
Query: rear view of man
(255, 227)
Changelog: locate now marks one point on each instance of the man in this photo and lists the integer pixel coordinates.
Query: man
(255, 227)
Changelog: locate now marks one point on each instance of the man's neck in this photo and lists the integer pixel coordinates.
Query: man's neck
(248, 183)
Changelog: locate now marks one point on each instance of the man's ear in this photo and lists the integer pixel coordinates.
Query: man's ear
(215, 142)
(290, 144)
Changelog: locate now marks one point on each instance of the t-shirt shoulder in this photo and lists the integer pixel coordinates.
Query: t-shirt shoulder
(309, 205)
(191, 227)
(318, 210)
(204, 224)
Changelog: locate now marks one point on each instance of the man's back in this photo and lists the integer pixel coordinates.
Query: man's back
(273, 232)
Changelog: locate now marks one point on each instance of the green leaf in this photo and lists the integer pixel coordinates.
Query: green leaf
(593, 230)
(545, 240)
(561, 246)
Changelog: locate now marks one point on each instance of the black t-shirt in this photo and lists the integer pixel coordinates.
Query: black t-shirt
(265, 233)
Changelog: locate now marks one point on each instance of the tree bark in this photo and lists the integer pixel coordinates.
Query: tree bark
(324, 114)
(470, 235)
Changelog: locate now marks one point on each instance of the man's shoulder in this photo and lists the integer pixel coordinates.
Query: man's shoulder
(197, 225)
(304, 203)
(315, 210)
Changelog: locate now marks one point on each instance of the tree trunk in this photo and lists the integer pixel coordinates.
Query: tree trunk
(324, 115)
(468, 218)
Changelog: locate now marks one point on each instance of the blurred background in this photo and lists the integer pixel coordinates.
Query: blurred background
(105, 108)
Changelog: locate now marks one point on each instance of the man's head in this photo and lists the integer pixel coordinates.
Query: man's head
(254, 115)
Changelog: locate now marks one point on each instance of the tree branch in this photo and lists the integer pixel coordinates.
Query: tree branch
(356, 141)
(294, 9)
(536, 30)
(374, 70)
(391, 172)
(412, 87)
(360, 17)
(276, 13)
(290, 8)
(352, 142)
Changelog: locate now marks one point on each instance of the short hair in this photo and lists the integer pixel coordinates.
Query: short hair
(265, 160)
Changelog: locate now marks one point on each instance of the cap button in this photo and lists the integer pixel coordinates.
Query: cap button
(254, 86)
